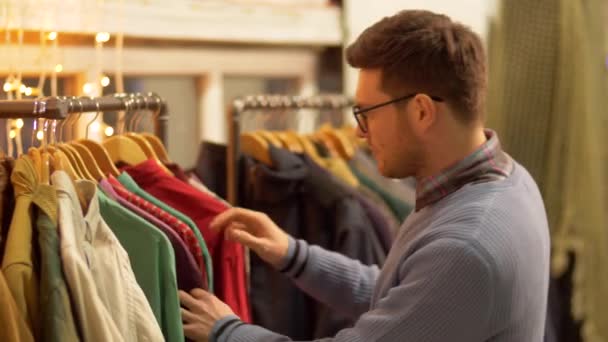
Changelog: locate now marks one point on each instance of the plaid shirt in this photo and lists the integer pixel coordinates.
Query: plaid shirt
(488, 163)
(178, 226)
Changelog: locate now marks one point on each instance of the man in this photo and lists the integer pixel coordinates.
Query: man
(471, 263)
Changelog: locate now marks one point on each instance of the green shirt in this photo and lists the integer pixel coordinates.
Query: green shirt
(57, 319)
(130, 184)
(153, 264)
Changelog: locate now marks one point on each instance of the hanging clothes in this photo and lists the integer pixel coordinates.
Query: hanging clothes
(132, 186)
(153, 262)
(311, 204)
(94, 319)
(398, 197)
(189, 275)
(58, 322)
(7, 198)
(186, 234)
(18, 263)
(228, 257)
(14, 328)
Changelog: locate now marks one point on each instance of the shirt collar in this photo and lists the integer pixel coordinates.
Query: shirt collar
(488, 163)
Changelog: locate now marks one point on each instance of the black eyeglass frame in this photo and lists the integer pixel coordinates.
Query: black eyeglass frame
(361, 118)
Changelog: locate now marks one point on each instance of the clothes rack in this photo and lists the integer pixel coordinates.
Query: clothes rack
(271, 103)
(58, 107)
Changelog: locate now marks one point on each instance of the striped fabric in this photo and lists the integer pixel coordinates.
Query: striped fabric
(179, 227)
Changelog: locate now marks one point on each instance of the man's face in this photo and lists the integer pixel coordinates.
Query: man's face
(389, 132)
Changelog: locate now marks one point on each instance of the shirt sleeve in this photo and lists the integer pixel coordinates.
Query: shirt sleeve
(445, 294)
(344, 284)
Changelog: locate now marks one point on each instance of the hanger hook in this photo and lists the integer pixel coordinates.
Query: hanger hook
(135, 118)
(64, 121)
(135, 100)
(140, 114)
(159, 104)
(34, 123)
(94, 119)
(77, 118)
(121, 120)
(44, 133)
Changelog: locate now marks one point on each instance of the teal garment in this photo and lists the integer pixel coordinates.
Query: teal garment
(132, 186)
(153, 262)
(58, 322)
(399, 208)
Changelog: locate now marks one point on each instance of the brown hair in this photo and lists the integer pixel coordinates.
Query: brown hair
(426, 52)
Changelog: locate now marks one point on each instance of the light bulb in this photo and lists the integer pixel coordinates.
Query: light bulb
(52, 35)
(28, 91)
(39, 135)
(87, 88)
(58, 68)
(102, 37)
(109, 131)
(95, 126)
(7, 87)
(12, 134)
(105, 81)
(19, 123)
(22, 88)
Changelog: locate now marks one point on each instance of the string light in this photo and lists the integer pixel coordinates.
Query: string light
(40, 135)
(109, 131)
(102, 37)
(28, 91)
(58, 68)
(52, 36)
(19, 123)
(95, 127)
(105, 81)
(87, 88)
(22, 88)
(12, 134)
(7, 87)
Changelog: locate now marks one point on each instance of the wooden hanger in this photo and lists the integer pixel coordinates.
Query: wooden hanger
(290, 141)
(155, 142)
(158, 147)
(90, 163)
(74, 161)
(98, 152)
(343, 146)
(256, 147)
(268, 136)
(122, 149)
(139, 140)
(310, 150)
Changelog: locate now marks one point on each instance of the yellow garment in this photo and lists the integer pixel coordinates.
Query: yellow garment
(18, 263)
(13, 328)
(547, 100)
(340, 169)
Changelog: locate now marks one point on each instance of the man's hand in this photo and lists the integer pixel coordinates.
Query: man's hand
(254, 230)
(202, 311)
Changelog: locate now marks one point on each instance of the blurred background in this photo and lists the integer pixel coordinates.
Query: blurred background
(548, 91)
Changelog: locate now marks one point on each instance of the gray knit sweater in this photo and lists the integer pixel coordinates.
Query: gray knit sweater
(472, 267)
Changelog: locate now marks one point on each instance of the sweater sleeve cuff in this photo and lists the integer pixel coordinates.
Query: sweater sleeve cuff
(219, 328)
(295, 261)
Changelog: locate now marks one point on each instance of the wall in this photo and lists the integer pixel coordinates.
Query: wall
(359, 14)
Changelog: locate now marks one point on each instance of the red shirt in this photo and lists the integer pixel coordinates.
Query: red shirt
(230, 281)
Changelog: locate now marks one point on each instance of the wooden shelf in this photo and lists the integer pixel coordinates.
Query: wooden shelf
(193, 20)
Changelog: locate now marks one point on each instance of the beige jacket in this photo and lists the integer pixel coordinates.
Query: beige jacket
(116, 306)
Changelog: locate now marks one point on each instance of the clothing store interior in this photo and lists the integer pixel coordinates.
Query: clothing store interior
(128, 126)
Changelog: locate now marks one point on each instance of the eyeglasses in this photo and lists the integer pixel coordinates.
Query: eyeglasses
(361, 117)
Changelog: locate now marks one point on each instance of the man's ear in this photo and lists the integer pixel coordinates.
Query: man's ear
(424, 113)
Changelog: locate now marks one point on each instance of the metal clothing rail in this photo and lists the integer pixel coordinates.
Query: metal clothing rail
(58, 107)
(271, 103)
